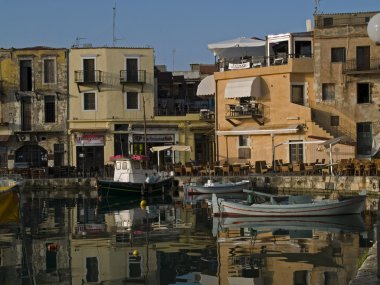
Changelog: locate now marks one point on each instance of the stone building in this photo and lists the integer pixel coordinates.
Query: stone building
(347, 79)
(33, 107)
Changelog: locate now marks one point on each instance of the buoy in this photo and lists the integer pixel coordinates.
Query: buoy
(135, 253)
(143, 204)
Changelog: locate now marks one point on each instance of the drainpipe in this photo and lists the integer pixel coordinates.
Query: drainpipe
(216, 140)
(69, 160)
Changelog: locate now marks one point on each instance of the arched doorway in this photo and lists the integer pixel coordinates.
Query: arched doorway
(31, 156)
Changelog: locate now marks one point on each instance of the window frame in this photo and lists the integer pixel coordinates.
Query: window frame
(336, 57)
(83, 101)
(244, 147)
(303, 93)
(327, 96)
(126, 100)
(47, 100)
(54, 69)
(369, 97)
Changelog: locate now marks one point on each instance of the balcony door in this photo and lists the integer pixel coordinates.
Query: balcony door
(88, 70)
(132, 69)
(363, 58)
(26, 81)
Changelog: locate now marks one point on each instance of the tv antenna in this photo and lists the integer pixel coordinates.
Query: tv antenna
(114, 38)
(113, 25)
(316, 5)
(77, 41)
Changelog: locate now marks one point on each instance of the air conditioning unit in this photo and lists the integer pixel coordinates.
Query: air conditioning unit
(23, 137)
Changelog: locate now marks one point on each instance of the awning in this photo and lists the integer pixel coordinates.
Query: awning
(166, 147)
(244, 87)
(171, 147)
(207, 86)
(334, 141)
(279, 129)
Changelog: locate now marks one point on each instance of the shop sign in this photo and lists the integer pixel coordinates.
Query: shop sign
(90, 140)
(153, 138)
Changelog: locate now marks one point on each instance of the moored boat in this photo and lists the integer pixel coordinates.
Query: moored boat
(214, 187)
(289, 206)
(134, 179)
(9, 202)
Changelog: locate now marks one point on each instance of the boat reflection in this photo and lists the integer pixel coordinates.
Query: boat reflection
(75, 238)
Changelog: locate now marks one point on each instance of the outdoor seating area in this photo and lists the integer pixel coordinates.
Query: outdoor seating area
(225, 169)
(343, 167)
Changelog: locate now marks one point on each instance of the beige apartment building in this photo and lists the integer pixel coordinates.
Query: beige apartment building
(111, 92)
(347, 79)
(115, 110)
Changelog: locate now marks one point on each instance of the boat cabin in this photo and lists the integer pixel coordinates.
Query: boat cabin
(132, 170)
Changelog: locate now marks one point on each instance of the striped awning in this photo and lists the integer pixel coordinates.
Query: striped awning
(207, 86)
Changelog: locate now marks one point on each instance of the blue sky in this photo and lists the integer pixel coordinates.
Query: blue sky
(166, 25)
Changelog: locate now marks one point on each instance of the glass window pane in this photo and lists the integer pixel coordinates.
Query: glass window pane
(49, 71)
(132, 100)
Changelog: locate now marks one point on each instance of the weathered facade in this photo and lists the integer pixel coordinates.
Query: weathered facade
(347, 79)
(33, 107)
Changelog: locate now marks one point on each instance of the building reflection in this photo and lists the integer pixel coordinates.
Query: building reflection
(78, 239)
(273, 255)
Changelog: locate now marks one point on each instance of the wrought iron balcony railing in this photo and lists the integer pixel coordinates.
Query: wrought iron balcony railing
(362, 66)
(245, 110)
(136, 76)
(88, 76)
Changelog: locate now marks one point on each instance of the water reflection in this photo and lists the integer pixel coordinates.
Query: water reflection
(75, 238)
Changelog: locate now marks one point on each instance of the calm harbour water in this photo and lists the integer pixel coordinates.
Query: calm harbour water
(75, 238)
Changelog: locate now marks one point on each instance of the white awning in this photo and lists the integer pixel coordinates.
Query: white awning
(244, 87)
(289, 129)
(171, 147)
(334, 141)
(207, 86)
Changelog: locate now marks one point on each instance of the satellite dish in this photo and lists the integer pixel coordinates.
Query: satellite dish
(373, 28)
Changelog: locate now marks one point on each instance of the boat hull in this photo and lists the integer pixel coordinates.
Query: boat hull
(217, 188)
(115, 188)
(346, 223)
(353, 205)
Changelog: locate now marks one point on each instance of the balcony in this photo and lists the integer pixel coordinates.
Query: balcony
(253, 111)
(133, 77)
(88, 78)
(206, 115)
(355, 66)
(261, 61)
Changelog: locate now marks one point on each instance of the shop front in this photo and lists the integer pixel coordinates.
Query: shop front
(90, 153)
